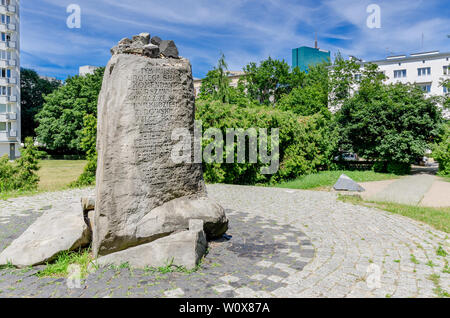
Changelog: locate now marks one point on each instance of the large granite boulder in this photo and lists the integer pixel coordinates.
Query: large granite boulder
(141, 194)
(52, 233)
(185, 248)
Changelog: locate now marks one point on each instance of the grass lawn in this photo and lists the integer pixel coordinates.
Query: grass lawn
(326, 179)
(438, 218)
(57, 174)
(54, 175)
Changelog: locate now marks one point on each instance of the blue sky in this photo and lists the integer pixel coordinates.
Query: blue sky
(244, 30)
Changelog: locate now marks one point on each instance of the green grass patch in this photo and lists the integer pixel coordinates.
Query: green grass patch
(59, 268)
(54, 175)
(326, 179)
(439, 218)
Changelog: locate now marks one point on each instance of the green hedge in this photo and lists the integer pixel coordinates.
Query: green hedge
(306, 143)
(20, 174)
(441, 152)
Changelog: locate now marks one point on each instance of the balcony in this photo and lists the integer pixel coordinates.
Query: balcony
(8, 81)
(12, 62)
(11, 44)
(7, 27)
(12, 134)
(11, 116)
(8, 99)
(7, 9)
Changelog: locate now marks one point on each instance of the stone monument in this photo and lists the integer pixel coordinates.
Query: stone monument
(144, 200)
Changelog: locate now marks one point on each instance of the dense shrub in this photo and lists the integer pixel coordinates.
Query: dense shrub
(394, 124)
(441, 152)
(20, 174)
(88, 144)
(305, 144)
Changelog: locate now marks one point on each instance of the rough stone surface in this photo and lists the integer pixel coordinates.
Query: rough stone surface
(88, 204)
(184, 248)
(52, 233)
(156, 40)
(141, 102)
(168, 48)
(151, 50)
(345, 183)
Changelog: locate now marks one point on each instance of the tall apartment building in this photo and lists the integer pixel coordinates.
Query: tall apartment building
(426, 70)
(305, 56)
(10, 138)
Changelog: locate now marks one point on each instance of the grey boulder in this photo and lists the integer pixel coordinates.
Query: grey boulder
(345, 183)
(52, 233)
(168, 48)
(151, 50)
(156, 40)
(185, 248)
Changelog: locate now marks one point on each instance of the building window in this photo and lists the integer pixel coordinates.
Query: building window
(424, 71)
(5, 91)
(5, 55)
(2, 127)
(399, 73)
(425, 87)
(5, 73)
(446, 70)
(445, 90)
(6, 19)
(2, 108)
(6, 2)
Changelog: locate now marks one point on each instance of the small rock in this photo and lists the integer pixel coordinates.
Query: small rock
(145, 37)
(168, 48)
(156, 40)
(151, 50)
(125, 41)
(345, 183)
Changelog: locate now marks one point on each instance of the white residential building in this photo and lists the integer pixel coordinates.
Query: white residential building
(10, 137)
(86, 69)
(234, 77)
(427, 70)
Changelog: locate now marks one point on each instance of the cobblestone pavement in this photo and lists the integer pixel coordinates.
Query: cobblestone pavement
(282, 243)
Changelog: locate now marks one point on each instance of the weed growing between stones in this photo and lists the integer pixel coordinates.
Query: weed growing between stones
(60, 267)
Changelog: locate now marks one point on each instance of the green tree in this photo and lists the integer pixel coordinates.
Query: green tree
(388, 123)
(342, 80)
(216, 84)
(61, 118)
(311, 96)
(271, 79)
(88, 144)
(32, 91)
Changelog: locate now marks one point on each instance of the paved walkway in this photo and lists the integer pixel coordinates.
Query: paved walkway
(285, 243)
(419, 189)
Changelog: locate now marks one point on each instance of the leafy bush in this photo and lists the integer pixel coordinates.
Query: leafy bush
(394, 124)
(441, 152)
(21, 174)
(306, 143)
(88, 144)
